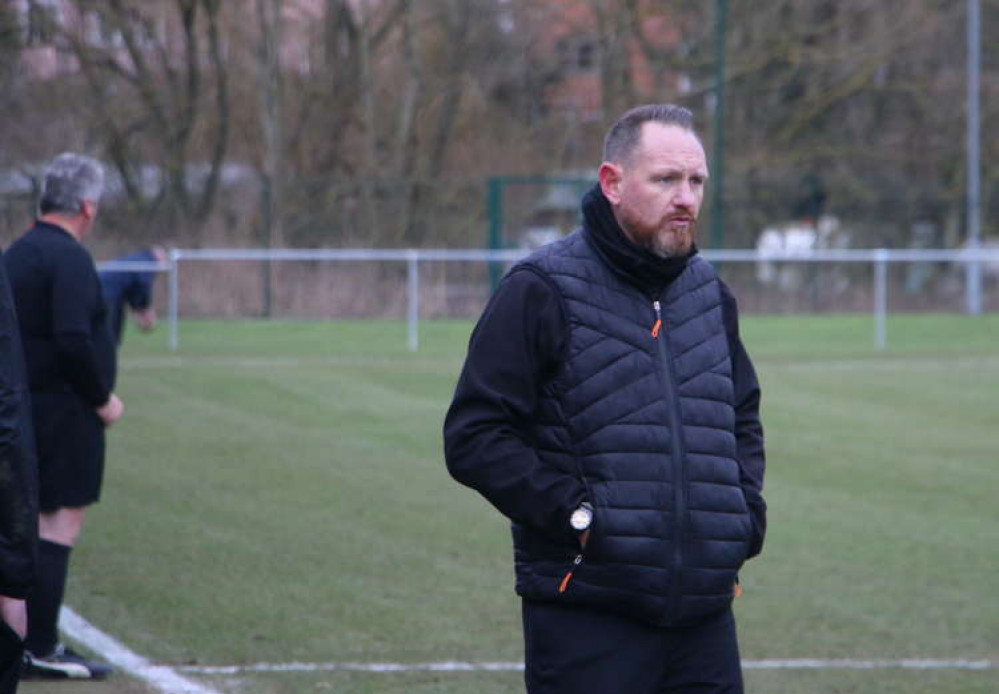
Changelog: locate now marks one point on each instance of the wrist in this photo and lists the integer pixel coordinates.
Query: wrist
(582, 518)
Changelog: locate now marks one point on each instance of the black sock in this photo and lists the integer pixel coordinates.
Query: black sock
(46, 597)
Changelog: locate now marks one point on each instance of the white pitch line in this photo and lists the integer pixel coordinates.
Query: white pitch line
(446, 666)
(167, 680)
(457, 666)
(848, 664)
(162, 677)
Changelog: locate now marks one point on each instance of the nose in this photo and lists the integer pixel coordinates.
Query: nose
(685, 196)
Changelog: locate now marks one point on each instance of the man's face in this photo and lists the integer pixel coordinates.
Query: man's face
(656, 193)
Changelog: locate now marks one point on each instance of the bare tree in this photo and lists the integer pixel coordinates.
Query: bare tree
(615, 34)
(148, 95)
(270, 21)
(393, 113)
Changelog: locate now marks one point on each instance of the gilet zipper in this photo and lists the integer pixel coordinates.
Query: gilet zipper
(676, 439)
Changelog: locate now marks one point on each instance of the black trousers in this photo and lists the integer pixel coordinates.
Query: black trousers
(576, 650)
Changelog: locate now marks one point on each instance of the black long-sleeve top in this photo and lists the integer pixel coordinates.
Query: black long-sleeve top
(18, 474)
(62, 315)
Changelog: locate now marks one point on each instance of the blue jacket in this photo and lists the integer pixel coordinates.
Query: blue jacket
(121, 289)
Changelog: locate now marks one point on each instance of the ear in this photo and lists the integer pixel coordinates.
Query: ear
(89, 209)
(610, 182)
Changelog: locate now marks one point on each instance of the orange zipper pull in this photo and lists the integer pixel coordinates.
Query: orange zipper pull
(656, 327)
(568, 577)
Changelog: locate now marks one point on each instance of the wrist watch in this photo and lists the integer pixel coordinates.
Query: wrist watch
(582, 517)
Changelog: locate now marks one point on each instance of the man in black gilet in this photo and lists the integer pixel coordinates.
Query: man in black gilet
(608, 408)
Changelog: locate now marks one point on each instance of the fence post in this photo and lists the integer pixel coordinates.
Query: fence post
(880, 297)
(413, 291)
(973, 177)
(174, 297)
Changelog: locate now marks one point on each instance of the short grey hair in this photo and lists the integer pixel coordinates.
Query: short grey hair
(623, 136)
(69, 180)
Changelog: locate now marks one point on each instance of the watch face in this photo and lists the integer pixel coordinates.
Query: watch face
(581, 518)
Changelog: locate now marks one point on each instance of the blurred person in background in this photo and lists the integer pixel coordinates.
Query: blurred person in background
(18, 494)
(131, 289)
(608, 408)
(70, 356)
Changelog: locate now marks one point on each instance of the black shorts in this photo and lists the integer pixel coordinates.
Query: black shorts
(69, 437)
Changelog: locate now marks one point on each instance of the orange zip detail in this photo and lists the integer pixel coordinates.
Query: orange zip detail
(568, 577)
(656, 327)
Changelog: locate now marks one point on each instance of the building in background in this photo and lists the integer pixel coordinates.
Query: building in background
(48, 26)
(601, 58)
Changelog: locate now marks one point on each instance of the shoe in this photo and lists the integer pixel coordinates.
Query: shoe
(62, 664)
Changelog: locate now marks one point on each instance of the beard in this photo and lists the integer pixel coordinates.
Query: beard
(665, 241)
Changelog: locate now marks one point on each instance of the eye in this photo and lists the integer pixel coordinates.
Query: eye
(696, 181)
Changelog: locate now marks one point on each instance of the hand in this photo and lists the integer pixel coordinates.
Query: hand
(584, 537)
(14, 611)
(111, 411)
(146, 319)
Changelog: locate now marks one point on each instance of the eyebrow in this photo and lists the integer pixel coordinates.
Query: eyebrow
(702, 173)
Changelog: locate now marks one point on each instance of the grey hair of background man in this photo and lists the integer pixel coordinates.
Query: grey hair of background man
(69, 180)
(623, 136)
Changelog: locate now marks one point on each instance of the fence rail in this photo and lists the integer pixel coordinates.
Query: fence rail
(878, 258)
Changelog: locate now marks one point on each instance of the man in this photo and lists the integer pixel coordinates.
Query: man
(71, 369)
(132, 289)
(608, 408)
(18, 494)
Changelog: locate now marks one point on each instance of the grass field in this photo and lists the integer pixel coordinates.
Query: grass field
(276, 493)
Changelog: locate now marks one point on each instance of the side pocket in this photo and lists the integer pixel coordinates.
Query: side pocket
(563, 585)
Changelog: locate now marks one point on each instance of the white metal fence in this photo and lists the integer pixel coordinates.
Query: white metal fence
(878, 259)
